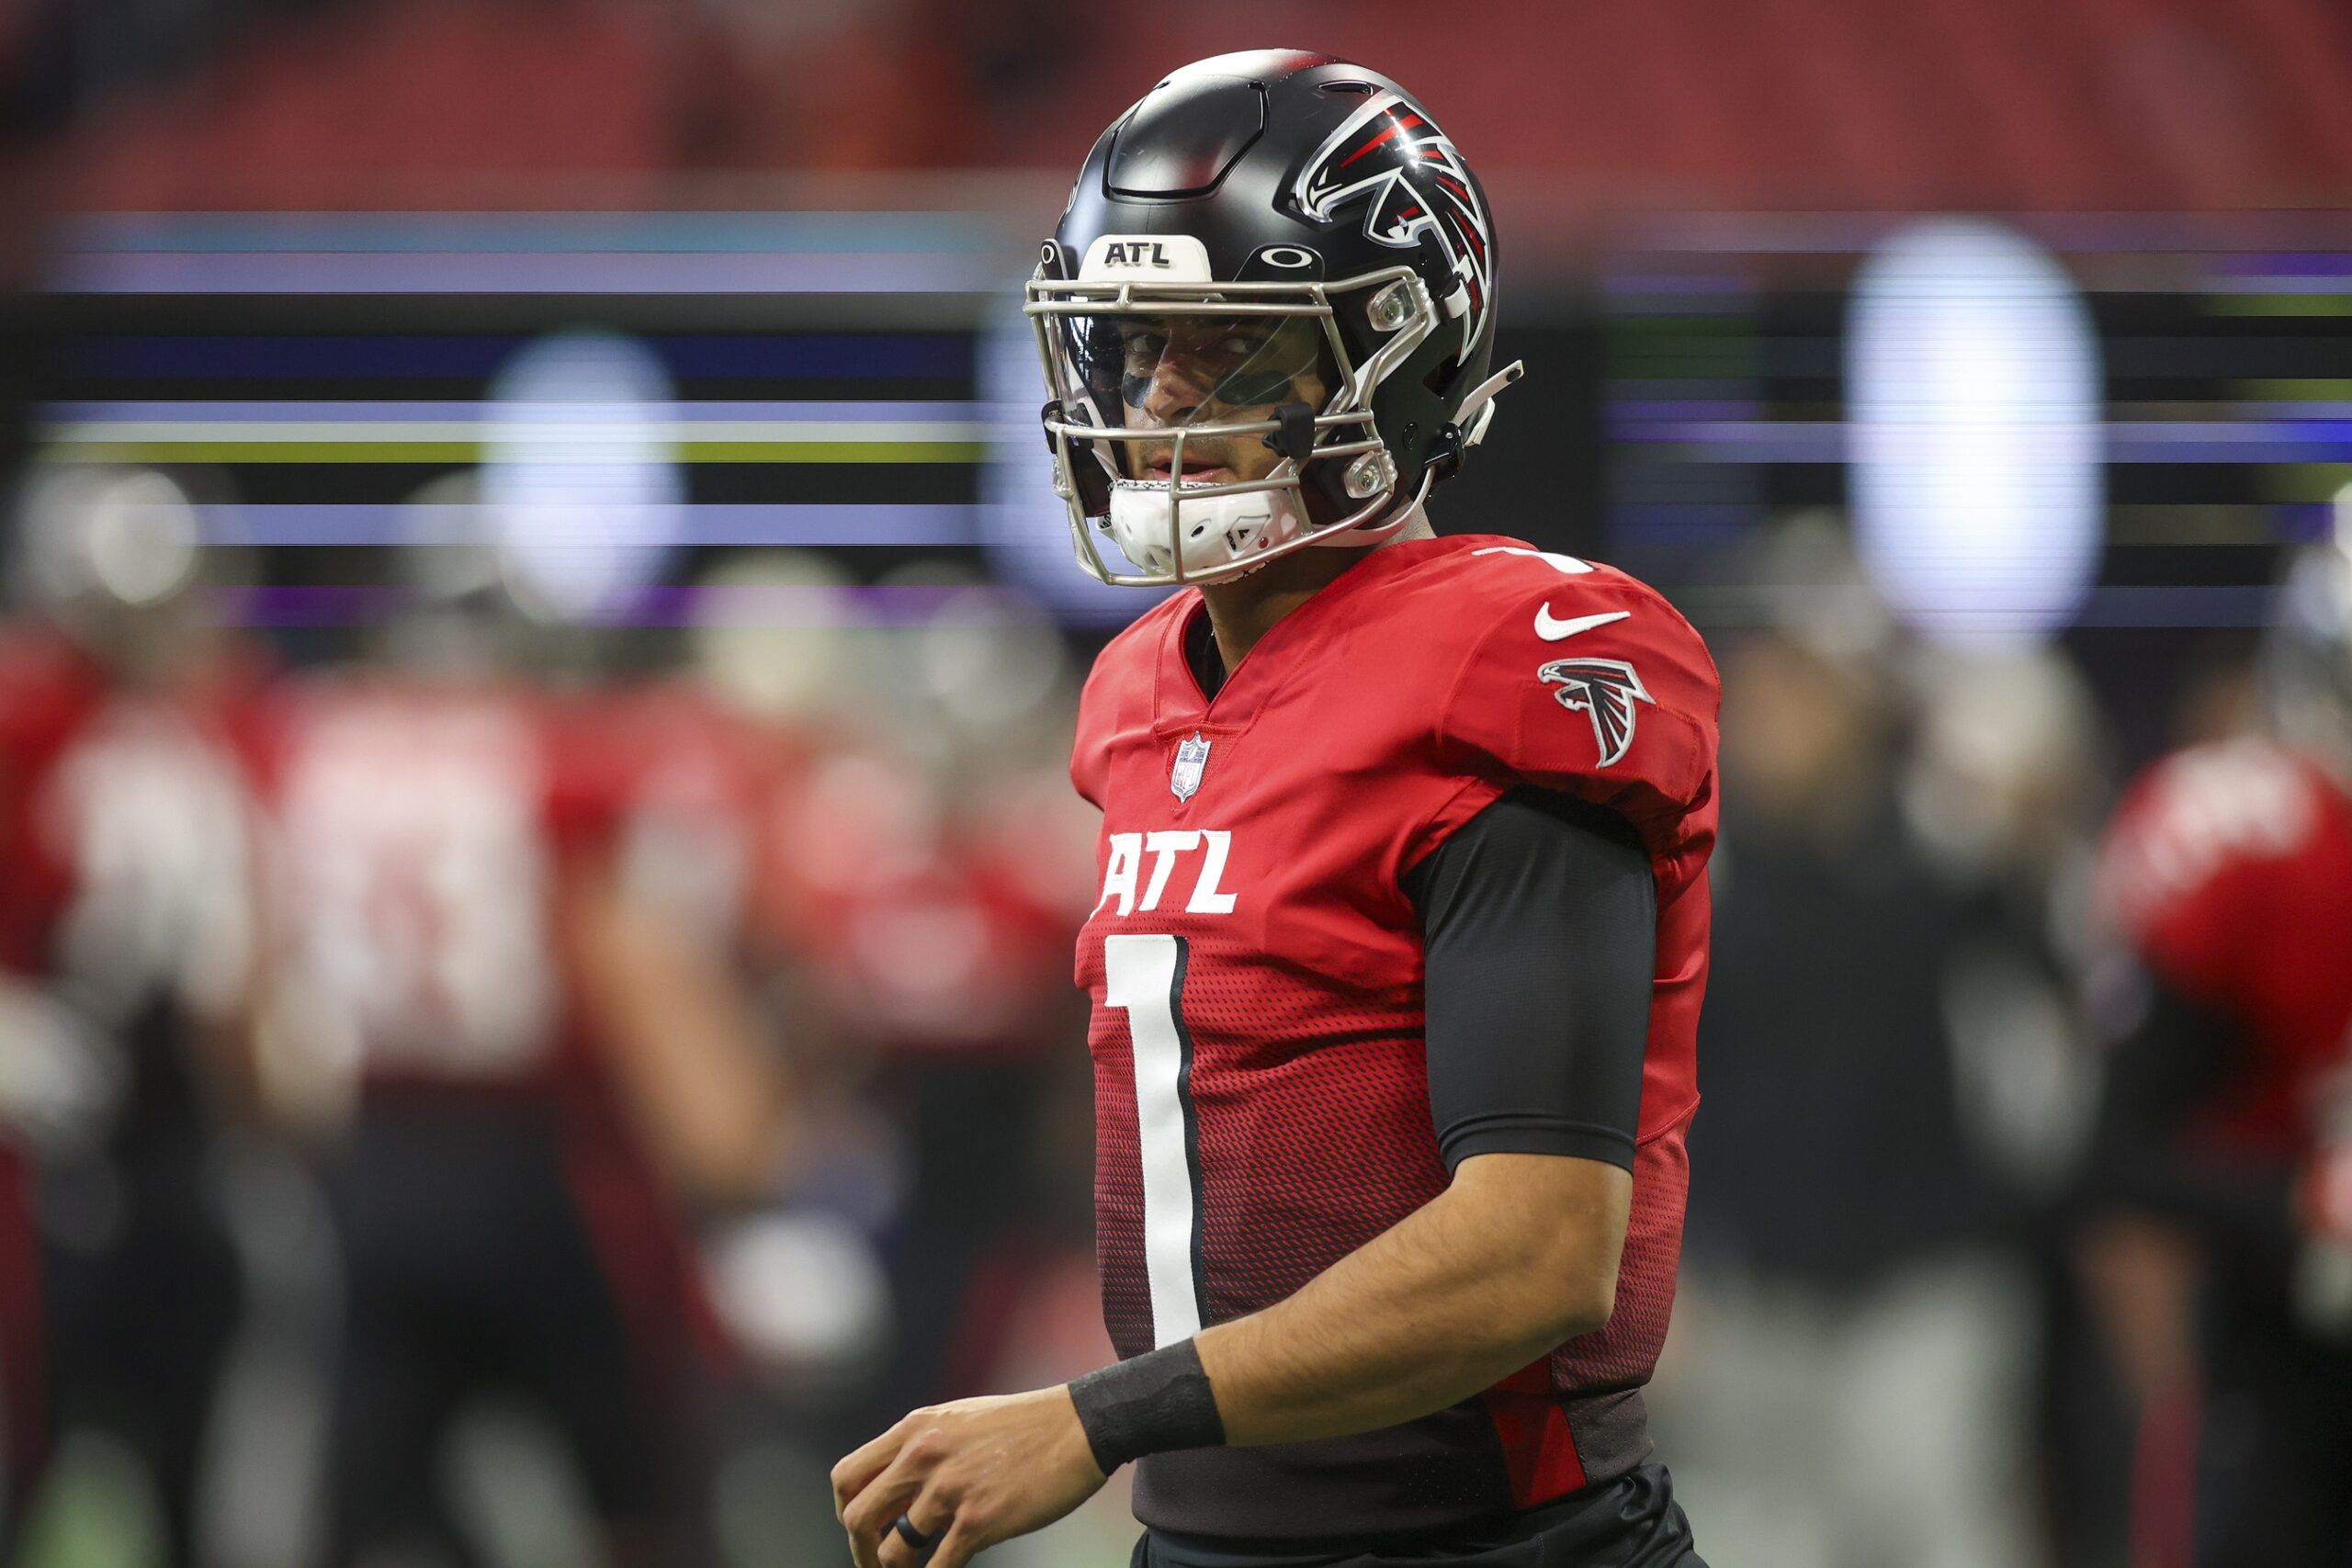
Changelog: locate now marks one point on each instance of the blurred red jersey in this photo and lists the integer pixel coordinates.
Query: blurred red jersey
(1256, 969)
(125, 826)
(693, 787)
(429, 838)
(126, 880)
(925, 924)
(2229, 870)
(48, 693)
(425, 836)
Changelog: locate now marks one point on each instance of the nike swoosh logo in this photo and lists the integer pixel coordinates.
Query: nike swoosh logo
(1552, 630)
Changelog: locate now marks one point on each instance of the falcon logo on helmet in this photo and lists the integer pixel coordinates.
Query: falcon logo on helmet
(1391, 157)
(1605, 689)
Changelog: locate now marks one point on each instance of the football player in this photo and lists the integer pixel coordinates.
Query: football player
(455, 919)
(1403, 917)
(2220, 1245)
(125, 832)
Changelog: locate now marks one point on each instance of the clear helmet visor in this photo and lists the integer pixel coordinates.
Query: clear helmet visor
(1178, 371)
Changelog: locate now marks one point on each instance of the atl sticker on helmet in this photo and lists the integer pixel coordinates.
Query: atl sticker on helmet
(1163, 258)
(1138, 252)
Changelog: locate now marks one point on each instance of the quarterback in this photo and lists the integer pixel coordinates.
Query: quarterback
(1403, 924)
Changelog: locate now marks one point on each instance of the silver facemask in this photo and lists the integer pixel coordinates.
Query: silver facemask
(1161, 387)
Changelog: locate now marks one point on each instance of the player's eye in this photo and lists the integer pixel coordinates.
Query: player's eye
(1250, 389)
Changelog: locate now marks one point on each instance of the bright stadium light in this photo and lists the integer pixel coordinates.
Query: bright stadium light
(130, 535)
(580, 469)
(1973, 442)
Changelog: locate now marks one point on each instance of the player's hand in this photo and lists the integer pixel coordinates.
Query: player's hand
(981, 1471)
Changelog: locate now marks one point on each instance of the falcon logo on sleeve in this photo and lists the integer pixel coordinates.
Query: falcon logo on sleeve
(1605, 689)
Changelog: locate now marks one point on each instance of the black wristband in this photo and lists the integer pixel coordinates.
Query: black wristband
(1148, 1404)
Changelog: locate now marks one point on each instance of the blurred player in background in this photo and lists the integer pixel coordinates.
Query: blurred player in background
(548, 1064)
(931, 869)
(127, 831)
(2220, 1245)
(1402, 929)
(1852, 952)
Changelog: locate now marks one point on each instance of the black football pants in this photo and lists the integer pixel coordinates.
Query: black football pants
(1630, 1522)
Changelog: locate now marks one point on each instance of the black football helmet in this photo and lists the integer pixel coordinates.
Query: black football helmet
(1270, 247)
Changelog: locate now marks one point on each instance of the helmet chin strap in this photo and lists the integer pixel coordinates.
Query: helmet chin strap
(1363, 536)
(1478, 409)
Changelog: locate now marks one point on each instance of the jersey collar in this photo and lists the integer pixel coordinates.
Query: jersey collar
(1178, 704)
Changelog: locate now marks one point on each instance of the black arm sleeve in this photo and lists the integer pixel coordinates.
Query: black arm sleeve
(1539, 917)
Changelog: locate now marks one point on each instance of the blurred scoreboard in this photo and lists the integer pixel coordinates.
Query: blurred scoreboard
(2223, 373)
(863, 383)
(812, 381)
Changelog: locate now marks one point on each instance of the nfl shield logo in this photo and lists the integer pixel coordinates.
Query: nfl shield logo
(1190, 758)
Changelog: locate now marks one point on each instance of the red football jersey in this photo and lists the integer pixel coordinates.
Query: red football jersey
(429, 834)
(126, 828)
(424, 832)
(693, 785)
(2229, 870)
(927, 923)
(1256, 972)
(126, 872)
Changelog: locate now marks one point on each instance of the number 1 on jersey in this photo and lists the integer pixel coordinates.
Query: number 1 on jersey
(1144, 976)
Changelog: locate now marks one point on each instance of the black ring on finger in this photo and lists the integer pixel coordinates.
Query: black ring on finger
(921, 1541)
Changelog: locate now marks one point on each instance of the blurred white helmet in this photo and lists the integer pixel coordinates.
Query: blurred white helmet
(460, 613)
(114, 555)
(2306, 663)
(774, 632)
